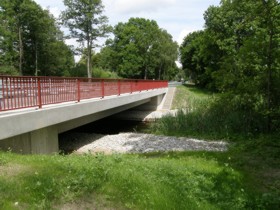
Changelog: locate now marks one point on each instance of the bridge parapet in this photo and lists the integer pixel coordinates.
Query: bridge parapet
(23, 92)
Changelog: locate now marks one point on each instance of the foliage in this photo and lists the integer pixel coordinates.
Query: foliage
(100, 73)
(86, 23)
(80, 70)
(8, 70)
(140, 49)
(238, 54)
(30, 40)
(198, 59)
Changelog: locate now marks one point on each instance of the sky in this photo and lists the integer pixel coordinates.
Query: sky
(178, 17)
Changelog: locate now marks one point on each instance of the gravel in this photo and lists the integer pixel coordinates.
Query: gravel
(134, 143)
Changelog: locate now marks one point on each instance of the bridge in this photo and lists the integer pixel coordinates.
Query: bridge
(34, 110)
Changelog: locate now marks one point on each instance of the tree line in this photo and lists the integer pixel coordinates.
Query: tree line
(32, 43)
(238, 54)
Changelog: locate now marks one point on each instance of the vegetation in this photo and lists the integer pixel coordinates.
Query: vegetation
(205, 114)
(30, 41)
(253, 153)
(154, 181)
(238, 54)
(86, 24)
(140, 49)
(245, 177)
(99, 71)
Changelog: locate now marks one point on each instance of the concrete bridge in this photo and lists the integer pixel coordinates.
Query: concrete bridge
(34, 110)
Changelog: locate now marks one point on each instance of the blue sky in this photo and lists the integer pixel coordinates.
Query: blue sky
(178, 17)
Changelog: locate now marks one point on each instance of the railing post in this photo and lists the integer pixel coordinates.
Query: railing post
(39, 93)
(1, 92)
(130, 86)
(78, 90)
(102, 88)
(119, 87)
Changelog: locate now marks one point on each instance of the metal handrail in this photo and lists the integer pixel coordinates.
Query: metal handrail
(17, 92)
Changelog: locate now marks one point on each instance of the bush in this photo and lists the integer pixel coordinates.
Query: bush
(8, 70)
(205, 115)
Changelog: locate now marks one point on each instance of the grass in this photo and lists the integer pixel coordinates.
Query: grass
(245, 177)
(193, 117)
(188, 97)
(206, 115)
(256, 156)
(153, 181)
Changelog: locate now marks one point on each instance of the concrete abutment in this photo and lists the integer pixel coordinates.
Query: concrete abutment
(41, 141)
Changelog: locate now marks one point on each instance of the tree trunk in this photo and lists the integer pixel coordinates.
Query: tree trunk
(269, 78)
(20, 50)
(271, 31)
(89, 67)
(146, 72)
(159, 71)
(36, 60)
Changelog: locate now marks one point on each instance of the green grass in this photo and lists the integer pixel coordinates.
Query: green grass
(193, 180)
(256, 156)
(188, 97)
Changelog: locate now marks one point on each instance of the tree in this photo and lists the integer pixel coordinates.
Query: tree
(140, 49)
(31, 42)
(86, 23)
(166, 55)
(243, 35)
(190, 56)
(11, 31)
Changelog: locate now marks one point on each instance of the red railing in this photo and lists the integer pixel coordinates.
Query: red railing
(24, 92)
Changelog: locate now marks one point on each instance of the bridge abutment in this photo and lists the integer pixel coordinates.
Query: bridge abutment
(41, 141)
(153, 105)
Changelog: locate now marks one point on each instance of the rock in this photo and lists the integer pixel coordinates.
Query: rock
(136, 143)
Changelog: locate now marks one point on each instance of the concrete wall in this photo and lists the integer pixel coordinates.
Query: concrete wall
(41, 141)
(36, 131)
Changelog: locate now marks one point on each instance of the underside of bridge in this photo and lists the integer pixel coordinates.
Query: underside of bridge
(36, 131)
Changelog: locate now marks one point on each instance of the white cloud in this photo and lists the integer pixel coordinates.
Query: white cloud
(184, 33)
(137, 6)
(51, 3)
(71, 42)
(55, 11)
(178, 17)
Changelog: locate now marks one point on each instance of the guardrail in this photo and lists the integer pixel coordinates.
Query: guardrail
(23, 92)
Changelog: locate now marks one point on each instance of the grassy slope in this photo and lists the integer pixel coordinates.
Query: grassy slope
(245, 177)
(155, 181)
(256, 157)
